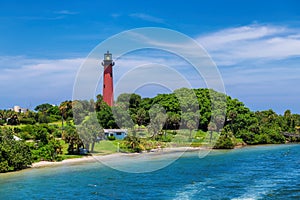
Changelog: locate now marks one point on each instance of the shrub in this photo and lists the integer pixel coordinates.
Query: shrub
(27, 121)
(248, 137)
(57, 133)
(15, 155)
(2, 122)
(111, 137)
(262, 139)
(225, 141)
(276, 137)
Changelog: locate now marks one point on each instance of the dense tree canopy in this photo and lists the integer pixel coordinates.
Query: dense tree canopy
(80, 124)
(14, 155)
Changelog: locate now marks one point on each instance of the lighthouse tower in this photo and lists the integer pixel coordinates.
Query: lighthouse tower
(108, 90)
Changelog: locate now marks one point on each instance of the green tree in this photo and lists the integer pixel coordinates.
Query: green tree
(211, 128)
(133, 142)
(66, 111)
(219, 121)
(43, 107)
(122, 116)
(104, 114)
(157, 119)
(172, 121)
(225, 141)
(14, 155)
(89, 130)
(141, 116)
(71, 137)
(191, 125)
(13, 120)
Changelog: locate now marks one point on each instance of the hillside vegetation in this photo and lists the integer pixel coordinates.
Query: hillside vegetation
(186, 117)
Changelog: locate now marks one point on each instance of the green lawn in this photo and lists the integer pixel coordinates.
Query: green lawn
(58, 123)
(14, 126)
(101, 148)
(106, 147)
(65, 151)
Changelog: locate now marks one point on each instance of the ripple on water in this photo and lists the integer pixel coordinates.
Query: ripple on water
(265, 172)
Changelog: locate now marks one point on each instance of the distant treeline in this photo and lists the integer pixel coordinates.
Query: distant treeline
(81, 123)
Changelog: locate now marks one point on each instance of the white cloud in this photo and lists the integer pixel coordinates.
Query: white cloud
(260, 59)
(41, 18)
(65, 12)
(56, 15)
(116, 15)
(234, 45)
(38, 68)
(259, 64)
(146, 17)
(37, 80)
(133, 65)
(52, 80)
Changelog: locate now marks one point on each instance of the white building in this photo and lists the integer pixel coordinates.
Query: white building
(18, 109)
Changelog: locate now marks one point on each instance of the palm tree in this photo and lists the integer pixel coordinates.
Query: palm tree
(133, 142)
(157, 119)
(191, 124)
(211, 127)
(72, 138)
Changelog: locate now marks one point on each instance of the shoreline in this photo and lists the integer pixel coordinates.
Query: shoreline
(116, 155)
(153, 152)
(97, 158)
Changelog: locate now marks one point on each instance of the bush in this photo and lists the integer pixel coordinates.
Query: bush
(57, 133)
(133, 144)
(25, 136)
(225, 141)
(262, 139)
(276, 137)
(27, 121)
(224, 144)
(49, 151)
(2, 122)
(54, 118)
(15, 155)
(4, 166)
(111, 137)
(248, 137)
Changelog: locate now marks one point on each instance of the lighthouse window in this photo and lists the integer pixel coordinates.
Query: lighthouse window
(103, 86)
(110, 74)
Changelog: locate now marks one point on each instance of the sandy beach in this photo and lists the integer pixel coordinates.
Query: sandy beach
(96, 158)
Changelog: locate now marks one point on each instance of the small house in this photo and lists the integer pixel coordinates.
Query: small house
(119, 134)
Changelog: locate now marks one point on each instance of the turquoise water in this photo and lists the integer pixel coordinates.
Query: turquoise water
(261, 172)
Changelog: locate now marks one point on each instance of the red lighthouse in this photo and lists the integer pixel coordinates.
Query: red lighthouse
(108, 90)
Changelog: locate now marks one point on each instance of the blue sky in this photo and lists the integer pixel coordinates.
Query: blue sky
(255, 44)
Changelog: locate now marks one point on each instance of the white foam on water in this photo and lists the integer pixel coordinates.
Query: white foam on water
(254, 192)
(257, 191)
(189, 191)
